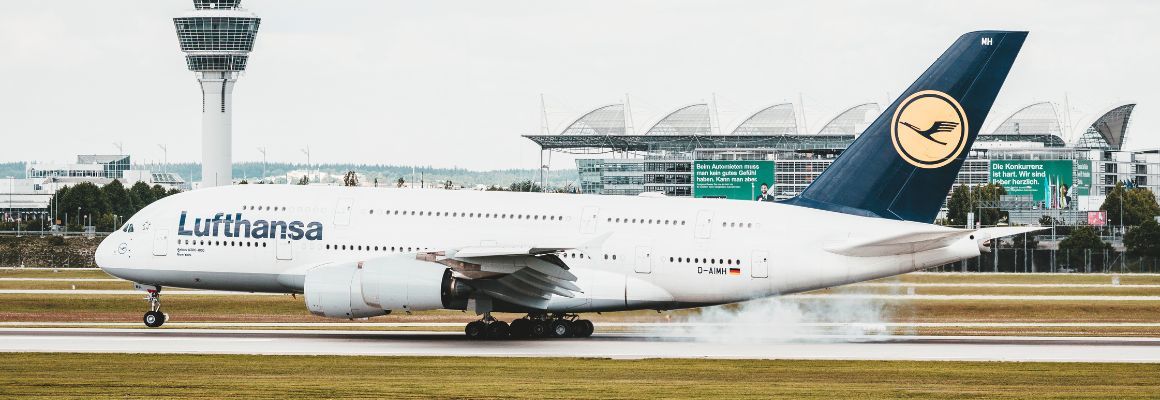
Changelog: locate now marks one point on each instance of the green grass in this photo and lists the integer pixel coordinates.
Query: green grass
(1125, 279)
(58, 273)
(284, 308)
(1104, 290)
(65, 285)
(227, 376)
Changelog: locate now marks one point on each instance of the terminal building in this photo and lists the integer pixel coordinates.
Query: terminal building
(33, 193)
(1065, 178)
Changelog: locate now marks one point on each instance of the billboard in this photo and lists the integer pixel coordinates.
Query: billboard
(1097, 218)
(1048, 182)
(1083, 178)
(738, 180)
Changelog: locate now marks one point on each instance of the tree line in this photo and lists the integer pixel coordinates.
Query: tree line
(1135, 208)
(103, 206)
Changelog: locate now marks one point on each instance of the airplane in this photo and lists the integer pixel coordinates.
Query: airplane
(357, 252)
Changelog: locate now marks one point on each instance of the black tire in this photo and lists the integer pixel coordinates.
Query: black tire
(475, 330)
(521, 328)
(561, 328)
(584, 328)
(154, 319)
(538, 329)
(498, 330)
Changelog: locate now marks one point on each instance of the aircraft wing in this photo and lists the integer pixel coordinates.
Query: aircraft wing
(914, 242)
(527, 275)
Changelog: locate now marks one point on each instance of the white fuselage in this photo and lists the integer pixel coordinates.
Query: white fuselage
(646, 252)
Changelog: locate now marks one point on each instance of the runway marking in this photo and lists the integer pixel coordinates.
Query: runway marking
(809, 296)
(971, 297)
(64, 280)
(1005, 285)
(627, 346)
(179, 292)
(601, 324)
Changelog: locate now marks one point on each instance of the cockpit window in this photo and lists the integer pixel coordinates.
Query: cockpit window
(128, 228)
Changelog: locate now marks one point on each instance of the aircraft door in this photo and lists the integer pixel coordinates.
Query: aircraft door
(342, 211)
(284, 249)
(588, 220)
(161, 242)
(643, 260)
(759, 267)
(704, 224)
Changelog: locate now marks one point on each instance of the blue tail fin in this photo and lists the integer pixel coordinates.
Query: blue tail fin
(905, 162)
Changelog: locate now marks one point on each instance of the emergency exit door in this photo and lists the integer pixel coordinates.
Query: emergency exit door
(284, 249)
(161, 242)
(643, 263)
(759, 266)
(342, 211)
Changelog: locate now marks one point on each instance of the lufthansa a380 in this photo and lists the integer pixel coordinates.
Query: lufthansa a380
(364, 252)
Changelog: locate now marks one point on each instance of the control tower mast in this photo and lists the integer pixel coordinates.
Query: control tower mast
(217, 37)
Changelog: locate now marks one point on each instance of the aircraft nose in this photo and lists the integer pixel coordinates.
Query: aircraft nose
(106, 251)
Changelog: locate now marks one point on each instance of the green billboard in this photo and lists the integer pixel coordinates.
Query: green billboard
(1083, 178)
(739, 180)
(1049, 182)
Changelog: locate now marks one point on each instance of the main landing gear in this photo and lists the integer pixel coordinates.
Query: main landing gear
(154, 317)
(532, 326)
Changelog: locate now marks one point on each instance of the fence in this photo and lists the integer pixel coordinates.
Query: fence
(1055, 261)
(48, 251)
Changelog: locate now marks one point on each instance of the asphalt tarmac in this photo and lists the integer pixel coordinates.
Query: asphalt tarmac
(601, 345)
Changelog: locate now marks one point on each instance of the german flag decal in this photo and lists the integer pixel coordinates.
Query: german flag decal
(734, 271)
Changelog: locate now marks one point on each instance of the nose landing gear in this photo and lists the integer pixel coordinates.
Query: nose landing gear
(154, 317)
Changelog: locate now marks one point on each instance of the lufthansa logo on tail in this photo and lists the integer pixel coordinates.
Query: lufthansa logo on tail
(929, 129)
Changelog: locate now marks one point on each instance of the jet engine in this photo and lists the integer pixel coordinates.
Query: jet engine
(379, 286)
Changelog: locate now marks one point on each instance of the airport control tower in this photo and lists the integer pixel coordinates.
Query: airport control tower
(217, 37)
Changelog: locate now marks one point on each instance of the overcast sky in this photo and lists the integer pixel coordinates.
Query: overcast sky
(448, 83)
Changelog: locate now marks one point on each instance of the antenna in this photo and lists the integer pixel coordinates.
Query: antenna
(714, 118)
(802, 105)
(1067, 113)
(628, 129)
(543, 116)
(263, 151)
(306, 151)
(120, 148)
(165, 154)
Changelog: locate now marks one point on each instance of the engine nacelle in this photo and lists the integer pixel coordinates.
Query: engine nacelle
(379, 286)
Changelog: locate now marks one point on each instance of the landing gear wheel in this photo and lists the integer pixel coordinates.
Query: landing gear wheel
(584, 328)
(154, 319)
(539, 328)
(476, 330)
(521, 328)
(497, 330)
(561, 328)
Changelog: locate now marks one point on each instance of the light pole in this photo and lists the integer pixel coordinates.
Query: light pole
(306, 151)
(165, 155)
(263, 151)
(11, 188)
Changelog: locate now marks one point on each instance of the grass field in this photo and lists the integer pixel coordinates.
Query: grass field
(221, 376)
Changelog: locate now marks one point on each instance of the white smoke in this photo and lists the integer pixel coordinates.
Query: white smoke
(788, 319)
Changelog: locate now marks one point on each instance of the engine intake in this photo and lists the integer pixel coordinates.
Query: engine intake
(378, 286)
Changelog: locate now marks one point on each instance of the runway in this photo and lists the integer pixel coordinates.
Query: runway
(606, 345)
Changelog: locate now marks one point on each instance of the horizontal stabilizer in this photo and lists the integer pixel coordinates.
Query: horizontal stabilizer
(916, 242)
